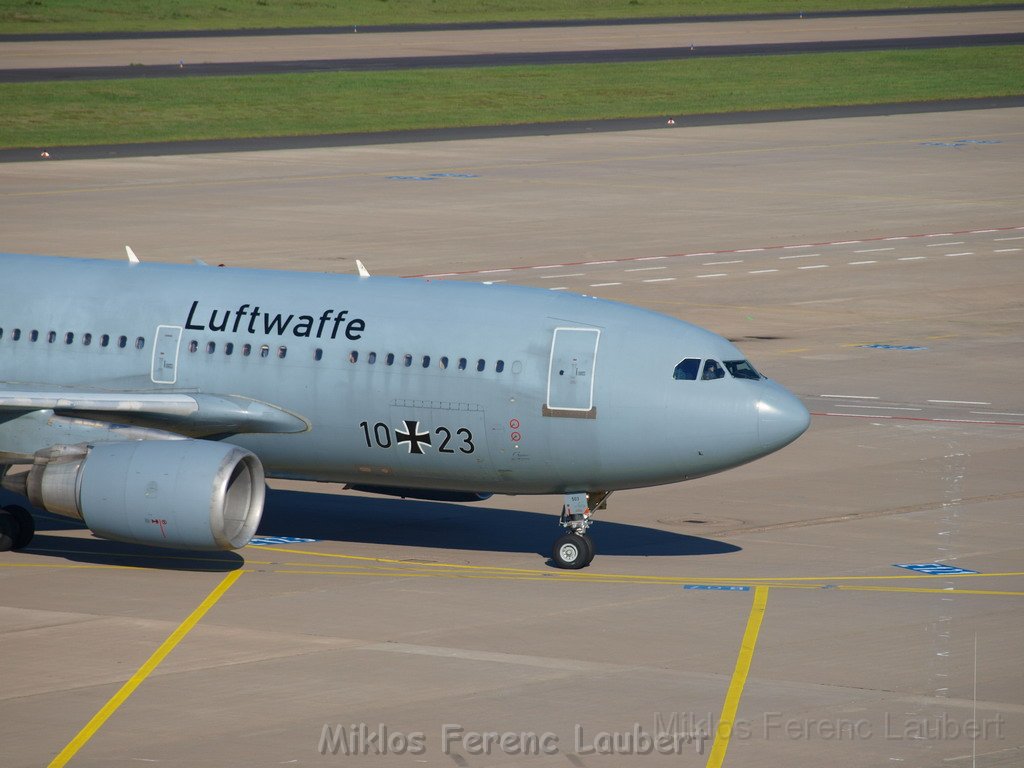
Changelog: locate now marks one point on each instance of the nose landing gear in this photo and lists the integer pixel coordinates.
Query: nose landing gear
(574, 549)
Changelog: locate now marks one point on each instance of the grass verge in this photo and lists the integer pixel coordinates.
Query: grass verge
(43, 16)
(121, 111)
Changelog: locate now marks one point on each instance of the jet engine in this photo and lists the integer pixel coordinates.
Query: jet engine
(192, 494)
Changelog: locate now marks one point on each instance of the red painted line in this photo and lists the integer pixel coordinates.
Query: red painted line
(920, 418)
(629, 259)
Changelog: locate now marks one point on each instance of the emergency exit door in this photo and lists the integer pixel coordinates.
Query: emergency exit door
(571, 372)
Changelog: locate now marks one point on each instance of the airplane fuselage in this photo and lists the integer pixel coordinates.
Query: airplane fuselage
(402, 383)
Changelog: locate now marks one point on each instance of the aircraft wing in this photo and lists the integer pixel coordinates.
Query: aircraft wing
(192, 414)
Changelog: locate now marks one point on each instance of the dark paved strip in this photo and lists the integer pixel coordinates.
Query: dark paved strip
(476, 25)
(499, 59)
(151, 149)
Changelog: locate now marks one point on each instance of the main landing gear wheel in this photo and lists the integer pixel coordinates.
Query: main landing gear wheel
(573, 551)
(16, 528)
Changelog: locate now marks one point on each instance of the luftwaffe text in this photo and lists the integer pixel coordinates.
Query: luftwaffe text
(253, 319)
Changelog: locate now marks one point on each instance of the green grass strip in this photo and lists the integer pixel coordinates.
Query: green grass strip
(38, 16)
(119, 111)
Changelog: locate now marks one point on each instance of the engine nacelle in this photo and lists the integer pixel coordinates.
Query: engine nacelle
(192, 494)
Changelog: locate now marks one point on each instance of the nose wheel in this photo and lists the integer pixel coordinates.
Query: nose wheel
(574, 549)
(16, 528)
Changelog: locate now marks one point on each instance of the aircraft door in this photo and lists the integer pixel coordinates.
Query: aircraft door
(165, 354)
(571, 373)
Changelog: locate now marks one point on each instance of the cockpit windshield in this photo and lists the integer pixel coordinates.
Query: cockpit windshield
(712, 370)
(741, 369)
(687, 370)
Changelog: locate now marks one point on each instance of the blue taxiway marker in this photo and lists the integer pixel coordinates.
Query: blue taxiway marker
(264, 541)
(934, 569)
(718, 587)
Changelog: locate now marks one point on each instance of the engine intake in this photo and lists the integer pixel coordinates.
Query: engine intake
(192, 494)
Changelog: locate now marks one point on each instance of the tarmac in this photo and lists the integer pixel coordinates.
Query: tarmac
(762, 617)
(188, 50)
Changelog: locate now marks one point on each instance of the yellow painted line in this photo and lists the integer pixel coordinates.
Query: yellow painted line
(739, 678)
(621, 576)
(143, 672)
(356, 570)
(933, 591)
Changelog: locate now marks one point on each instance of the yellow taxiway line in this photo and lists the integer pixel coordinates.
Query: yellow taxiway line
(739, 678)
(143, 672)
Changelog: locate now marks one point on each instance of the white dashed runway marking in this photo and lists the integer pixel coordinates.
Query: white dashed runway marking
(605, 268)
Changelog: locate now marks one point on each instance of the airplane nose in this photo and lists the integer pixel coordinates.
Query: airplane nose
(781, 417)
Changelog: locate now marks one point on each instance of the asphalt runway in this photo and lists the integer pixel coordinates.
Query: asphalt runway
(599, 56)
(438, 43)
(871, 264)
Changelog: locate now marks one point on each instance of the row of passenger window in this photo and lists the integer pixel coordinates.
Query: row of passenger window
(371, 358)
(86, 339)
(690, 370)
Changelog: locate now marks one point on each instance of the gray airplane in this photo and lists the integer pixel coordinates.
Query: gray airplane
(150, 401)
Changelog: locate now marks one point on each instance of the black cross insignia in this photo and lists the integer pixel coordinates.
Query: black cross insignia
(413, 437)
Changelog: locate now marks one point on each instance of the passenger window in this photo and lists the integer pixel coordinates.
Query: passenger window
(390, 359)
(318, 355)
(33, 336)
(712, 370)
(193, 346)
(51, 336)
(687, 370)
(741, 369)
(15, 334)
(1, 333)
(499, 366)
(282, 352)
(264, 350)
(426, 361)
(246, 350)
(140, 343)
(228, 348)
(105, 340)
(442, 363)
(463, 363)
(86, 338)
(481, 364)
(408, 361)
(371, 358)
(69, 338)
(211, 347)
(122, 341)
(353, 356)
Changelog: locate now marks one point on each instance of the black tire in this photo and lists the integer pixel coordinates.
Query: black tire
(26, 526)
(590, 549)
(572, 552)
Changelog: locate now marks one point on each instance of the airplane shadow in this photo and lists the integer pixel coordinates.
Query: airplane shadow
(440, 525)
(384, 521)
(97, 551)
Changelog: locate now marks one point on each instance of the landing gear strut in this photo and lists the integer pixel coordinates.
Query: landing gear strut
(16, 528)
(574, 549)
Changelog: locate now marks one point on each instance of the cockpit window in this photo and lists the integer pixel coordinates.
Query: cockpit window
(687, 370)
(712, 370)
(741, 369)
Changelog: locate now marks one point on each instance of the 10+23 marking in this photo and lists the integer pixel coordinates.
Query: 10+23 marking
(380, 436)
